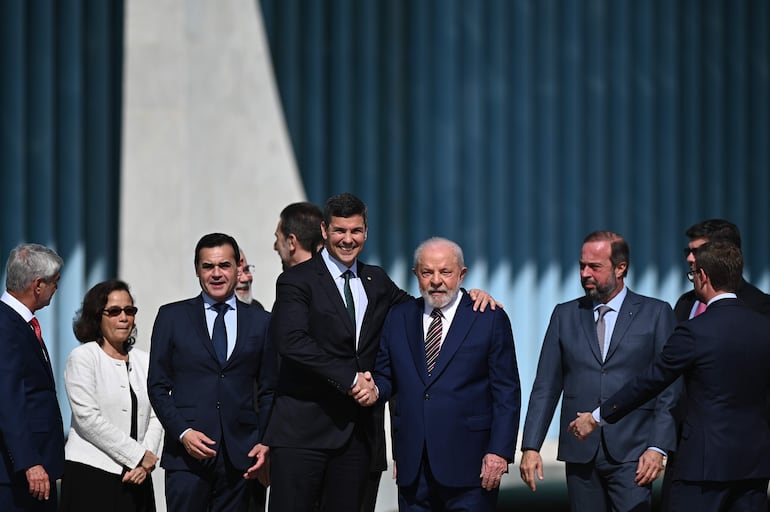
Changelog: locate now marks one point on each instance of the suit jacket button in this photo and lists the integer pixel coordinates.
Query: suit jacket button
(427, 396)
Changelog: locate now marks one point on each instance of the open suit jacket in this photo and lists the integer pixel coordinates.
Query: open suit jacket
(189, 388)
(467, 407)
(724, 356)
(31, 430)
(570, 362)
(319, 358)
(749, 294)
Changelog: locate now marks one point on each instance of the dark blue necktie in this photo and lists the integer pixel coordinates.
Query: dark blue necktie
(219, 333)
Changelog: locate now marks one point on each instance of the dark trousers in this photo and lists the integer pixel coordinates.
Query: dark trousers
(736, 496)
(332, 480)
(428, 495)
(220, 487)
(604, 484)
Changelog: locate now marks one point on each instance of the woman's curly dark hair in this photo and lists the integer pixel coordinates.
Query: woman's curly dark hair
(87, 324)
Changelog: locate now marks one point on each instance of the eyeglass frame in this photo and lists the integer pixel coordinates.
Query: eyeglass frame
(247, 269)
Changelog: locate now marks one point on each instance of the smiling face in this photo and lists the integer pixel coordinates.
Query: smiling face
(600, 279)
(439, 274)
(245, 278)
(117, 329)
(217, 271)
(345, 238)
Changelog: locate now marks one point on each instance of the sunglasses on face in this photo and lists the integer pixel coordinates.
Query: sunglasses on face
(115, 311)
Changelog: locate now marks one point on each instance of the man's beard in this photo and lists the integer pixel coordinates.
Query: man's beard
(441, 300)
(600, 293)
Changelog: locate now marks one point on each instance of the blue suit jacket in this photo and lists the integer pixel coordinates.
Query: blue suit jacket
(724, 356)
(570, 362)
(469, 406)
(188, 387)
(31, 430)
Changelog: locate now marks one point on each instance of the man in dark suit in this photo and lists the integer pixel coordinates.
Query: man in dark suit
(723, 461)
(31, 431)
(453, 374)
(327, 320)
(593, 345)
(207, 353)
(298, 233)
(688, 306)
(712, 230)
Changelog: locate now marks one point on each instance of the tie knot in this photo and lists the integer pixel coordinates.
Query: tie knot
(34, 323)
(603, 310)
(348, 275)
(436, 313)
(221, 307)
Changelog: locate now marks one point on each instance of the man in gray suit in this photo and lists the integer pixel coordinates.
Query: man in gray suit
(593, 345)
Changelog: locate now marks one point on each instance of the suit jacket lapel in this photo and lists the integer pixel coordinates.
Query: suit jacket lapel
(626, 315)
(332, 292)
(416, 339)
(586, 312)
(196, 310)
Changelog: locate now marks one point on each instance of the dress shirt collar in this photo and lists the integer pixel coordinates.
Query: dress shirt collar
(721, 296)
(336, 269)
(17, 306)
(209, 302)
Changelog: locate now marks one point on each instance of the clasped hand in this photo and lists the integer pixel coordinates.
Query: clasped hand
(364, 392)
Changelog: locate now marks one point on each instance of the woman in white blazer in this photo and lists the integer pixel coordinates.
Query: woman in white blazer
(114, 434)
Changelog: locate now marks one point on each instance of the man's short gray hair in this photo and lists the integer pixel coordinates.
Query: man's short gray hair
(28, 262)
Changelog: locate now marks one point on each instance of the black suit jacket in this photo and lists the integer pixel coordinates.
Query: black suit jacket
(189, 388)
(319, 359)
(31, 430)
(724, 356)
(749, 294)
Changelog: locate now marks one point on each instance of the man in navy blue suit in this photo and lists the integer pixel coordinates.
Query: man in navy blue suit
(723, 456)
(207, 354)
(453, 374)
(31, 432)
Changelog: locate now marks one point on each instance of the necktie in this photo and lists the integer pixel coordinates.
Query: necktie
(601, 326)
(433, 339)
(699, 309)
(349, 304)
(39, 334)
(219, 332)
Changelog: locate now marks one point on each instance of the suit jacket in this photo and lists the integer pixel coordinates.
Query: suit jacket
(752, 296)
(469, 406)
(319, 358)
(723, 355)
(570, 362)
(31, 430)
(189, 388)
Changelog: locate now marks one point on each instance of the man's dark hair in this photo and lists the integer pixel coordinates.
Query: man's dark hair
(216, 240)
(619, 246)
(722, 261)
(304, 221)
(343, 205)
(715, 229)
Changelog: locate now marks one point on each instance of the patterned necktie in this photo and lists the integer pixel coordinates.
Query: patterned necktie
(433, 339)
(601, 326)
(219, 332)
(349, 304)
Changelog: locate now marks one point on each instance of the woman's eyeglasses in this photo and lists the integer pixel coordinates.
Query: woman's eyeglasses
(115, 311)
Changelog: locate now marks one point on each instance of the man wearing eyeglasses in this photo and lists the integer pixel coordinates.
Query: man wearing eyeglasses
(688, 306)
(245, 278)
(723, 457)
(207, 355)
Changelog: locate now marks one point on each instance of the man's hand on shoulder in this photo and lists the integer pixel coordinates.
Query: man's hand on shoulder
(482, 299)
